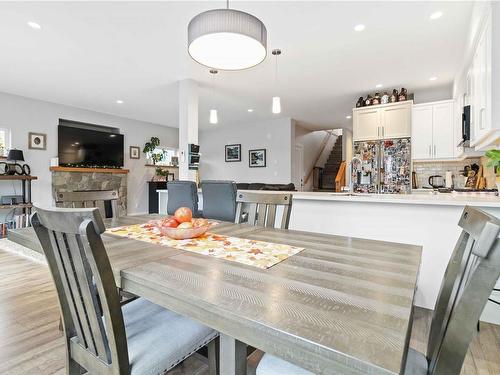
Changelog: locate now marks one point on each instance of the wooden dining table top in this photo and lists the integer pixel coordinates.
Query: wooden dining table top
(342, 305)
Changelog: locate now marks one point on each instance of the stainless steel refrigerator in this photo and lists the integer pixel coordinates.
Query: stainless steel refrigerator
(382, 166)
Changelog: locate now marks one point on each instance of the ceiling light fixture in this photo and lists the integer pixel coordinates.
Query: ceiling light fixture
(227, 39)
(348, 117)
(359, 27)
(118, 101)
(34, 25)
(276, 108)
(213, 118)
(379, 86)
(250, 110)
(436, 15)
(433, 78)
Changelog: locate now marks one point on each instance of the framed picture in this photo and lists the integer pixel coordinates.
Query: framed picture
(257, 158)
(37, 141)
(233, 153)
(135, 152)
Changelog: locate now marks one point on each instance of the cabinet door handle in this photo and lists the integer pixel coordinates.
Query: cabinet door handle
(383, 131)
(430, 154)
(378, 131)
(434, 150)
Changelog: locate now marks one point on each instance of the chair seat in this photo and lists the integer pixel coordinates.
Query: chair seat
(158, 339)
(416, 363)
(271, 365)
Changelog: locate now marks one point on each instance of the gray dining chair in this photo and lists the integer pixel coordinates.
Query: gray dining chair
(101, 336)
(470, 277)
(219, 200)
(88, 199)
(262, 208)
(182, 194)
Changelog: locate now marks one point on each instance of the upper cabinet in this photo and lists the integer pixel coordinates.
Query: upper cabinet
(382, 121)
(433, 131)
(481, 86)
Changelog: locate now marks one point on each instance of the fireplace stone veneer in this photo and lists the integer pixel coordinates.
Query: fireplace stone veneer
(92, 181)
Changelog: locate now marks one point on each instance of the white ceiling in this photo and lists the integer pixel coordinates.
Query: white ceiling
(89, 54)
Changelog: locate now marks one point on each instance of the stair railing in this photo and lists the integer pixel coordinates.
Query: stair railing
(321, 149)
(340, 178)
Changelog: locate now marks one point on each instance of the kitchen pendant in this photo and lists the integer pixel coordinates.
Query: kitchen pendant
(276, 104)
(227, 39)
(276, 99)
(213, 116)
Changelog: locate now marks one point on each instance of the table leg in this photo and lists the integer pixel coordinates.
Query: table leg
(233, 356)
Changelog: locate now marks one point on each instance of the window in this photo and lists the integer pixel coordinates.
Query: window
(4, 141)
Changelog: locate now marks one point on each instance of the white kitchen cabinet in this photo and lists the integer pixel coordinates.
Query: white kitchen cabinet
(433, 131)
(421, 135)
(366, 124)
(482, 128)
(443, 137)
(382, 121)
(396, 121)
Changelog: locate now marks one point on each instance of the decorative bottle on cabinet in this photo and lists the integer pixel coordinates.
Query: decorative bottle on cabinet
(394, 97)
(360, 102)
(403, 95)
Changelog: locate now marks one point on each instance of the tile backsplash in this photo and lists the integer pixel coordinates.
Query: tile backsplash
(427, 169)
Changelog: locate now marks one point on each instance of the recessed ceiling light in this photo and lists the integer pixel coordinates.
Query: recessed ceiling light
(34, 25)
(433, 78)
(348, 117)
(119, 101)
(359, 27)
(250, 110)
(77, 143)
(112, 135)
(436, 15)
(379, 86)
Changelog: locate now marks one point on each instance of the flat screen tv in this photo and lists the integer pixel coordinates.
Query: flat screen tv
(89, 148)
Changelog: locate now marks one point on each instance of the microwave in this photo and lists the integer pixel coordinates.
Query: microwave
(465, 127)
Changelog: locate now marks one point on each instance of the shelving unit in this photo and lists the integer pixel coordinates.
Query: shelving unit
(26, 206)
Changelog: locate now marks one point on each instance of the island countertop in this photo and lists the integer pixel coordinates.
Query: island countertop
(426, 198)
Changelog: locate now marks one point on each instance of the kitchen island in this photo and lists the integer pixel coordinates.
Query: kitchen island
(426, 219)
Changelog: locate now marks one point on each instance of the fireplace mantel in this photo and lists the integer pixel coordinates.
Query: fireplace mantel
(89, 170)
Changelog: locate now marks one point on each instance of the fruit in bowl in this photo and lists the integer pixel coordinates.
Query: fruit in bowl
(182, 226)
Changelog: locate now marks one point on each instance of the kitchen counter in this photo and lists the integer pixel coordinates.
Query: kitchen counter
(420, 198)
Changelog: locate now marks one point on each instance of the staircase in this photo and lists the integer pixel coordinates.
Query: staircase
(332, 166)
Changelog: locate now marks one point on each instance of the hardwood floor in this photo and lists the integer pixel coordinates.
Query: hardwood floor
(30, 342)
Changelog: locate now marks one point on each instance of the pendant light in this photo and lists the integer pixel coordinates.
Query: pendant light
(227, 39)
(276, 99)
(213, 118)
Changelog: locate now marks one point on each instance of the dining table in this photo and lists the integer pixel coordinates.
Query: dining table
(341, 306)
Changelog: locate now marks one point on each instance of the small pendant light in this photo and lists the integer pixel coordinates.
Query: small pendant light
(213, 118)
(276, 99)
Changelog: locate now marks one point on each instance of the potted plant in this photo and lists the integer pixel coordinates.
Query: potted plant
(494, 161)
(149, 150)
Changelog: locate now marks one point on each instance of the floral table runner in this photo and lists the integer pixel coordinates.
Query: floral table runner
(254, 253)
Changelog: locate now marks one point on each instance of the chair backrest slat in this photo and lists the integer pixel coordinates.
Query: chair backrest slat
(470, 277)
(262, 208)
(85, 284)
(89, 199)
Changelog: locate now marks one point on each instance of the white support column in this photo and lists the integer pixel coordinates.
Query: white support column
(188, 125)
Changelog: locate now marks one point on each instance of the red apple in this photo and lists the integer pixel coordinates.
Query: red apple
(183, 215)
(170, 222)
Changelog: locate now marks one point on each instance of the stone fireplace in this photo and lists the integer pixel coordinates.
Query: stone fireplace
(86, 179)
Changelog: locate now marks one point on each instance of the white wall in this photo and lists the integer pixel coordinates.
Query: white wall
(433, 94)
(275, 136)
(23, 115)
